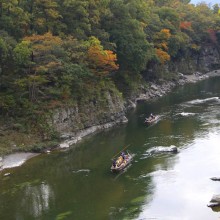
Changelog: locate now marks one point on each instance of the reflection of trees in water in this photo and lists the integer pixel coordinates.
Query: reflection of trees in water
(37, 199)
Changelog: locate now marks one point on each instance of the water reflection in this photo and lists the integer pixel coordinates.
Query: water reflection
(37, 199)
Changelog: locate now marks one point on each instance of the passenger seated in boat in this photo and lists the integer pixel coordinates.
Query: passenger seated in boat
(119, 161)
(124, 163)
(152, 116)
(123, 155)
(114, 163)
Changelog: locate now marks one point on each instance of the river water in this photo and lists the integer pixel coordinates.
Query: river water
(77, 183)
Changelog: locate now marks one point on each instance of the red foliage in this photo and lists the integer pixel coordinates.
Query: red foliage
(185, 25)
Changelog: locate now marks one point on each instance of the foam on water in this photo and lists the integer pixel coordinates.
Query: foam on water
(199, 101)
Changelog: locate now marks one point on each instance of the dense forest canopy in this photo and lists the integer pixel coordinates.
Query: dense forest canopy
(53, 51)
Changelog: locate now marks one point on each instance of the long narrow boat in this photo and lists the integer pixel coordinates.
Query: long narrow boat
(120, 164)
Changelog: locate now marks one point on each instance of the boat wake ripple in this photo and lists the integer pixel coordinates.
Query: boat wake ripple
(185, 114)
(82, 170)
(200, 101)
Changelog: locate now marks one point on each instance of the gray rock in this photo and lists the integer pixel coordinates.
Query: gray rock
(154, 87)
(215, 178)
(215, 201)
(156, 150)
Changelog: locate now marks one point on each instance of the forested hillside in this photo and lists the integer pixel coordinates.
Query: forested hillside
(62, 53)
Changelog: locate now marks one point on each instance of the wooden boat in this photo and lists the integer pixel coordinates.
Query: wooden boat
(151, 120)
(121, 163)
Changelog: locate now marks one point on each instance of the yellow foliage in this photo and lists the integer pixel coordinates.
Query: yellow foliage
(163, 46)
(165, 33)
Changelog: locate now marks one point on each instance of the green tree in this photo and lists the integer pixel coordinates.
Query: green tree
(44, 16)
(14, 19)
(7, 44)
(127, 33)
(22, 54)
(46, 55)
(76, 17)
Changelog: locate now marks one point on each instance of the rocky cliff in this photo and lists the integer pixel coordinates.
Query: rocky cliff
(205, 60)
(73, 123)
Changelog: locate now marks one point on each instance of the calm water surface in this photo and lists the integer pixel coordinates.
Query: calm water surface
(77, 183)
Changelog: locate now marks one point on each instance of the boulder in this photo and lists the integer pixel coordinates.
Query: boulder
(215, 178)
(215, 201)
(157, 150)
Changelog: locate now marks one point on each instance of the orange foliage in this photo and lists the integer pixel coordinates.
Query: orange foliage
(185, 25)
(162, 55)
(100, 60)
(161, 45)
(47, 39)
(42, 46)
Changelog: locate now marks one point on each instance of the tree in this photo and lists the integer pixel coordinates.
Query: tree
(7, 44)
(14, 19)
(133, 50)
(44, 16)
(100, 61)
(46, 51)
(161, 43)
(22, 53)
(76, 17)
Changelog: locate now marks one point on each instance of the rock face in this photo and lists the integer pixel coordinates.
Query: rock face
(209, 58)
(204, 61)
(79, 121)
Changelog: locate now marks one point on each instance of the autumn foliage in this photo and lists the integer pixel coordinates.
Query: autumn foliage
(162, 39)
(100, 60)
(162, 55)
(185, 25)
(43, 47)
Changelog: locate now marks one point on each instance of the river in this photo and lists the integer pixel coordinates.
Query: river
(77, 183)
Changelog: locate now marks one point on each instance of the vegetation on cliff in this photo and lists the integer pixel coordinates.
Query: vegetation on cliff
(54, 53)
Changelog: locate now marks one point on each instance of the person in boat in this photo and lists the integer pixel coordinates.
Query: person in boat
(119, 161)
(114, 163)
(152, 116)
(123, 155)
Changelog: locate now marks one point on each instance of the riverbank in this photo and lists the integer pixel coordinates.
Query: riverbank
(160, 89)
(154, 91)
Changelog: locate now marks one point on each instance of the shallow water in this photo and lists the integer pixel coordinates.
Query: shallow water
(77, 183)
